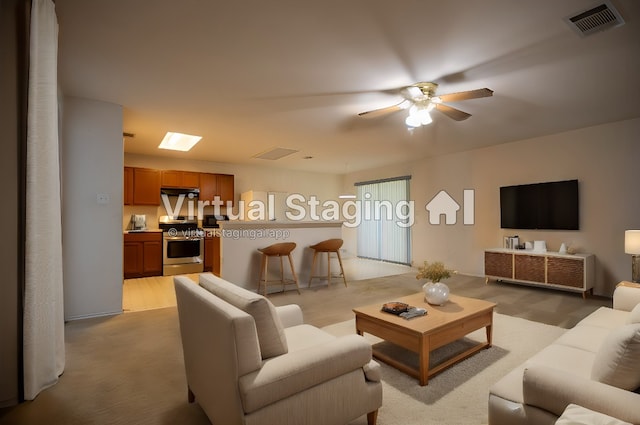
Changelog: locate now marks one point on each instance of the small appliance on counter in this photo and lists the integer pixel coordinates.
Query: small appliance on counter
(138, 223)
(211, 221)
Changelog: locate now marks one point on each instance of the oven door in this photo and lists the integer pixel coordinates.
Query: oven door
(182, 250)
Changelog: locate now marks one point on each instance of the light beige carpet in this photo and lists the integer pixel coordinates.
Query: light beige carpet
(457, 396)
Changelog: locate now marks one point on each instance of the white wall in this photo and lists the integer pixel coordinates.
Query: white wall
(603, 158)
(92, 162)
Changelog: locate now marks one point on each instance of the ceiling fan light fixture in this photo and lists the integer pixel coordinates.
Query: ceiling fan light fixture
(413, 121)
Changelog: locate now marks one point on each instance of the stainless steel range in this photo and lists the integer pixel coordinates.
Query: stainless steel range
(182, 245)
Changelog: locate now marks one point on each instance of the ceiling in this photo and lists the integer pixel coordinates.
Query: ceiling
(252, 75)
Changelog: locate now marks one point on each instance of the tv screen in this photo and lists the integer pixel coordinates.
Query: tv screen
(544, 206)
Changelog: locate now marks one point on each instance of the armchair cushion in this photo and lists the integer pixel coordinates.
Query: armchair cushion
(288, 374)
(271, 335)
(616, 362)
(578, 415)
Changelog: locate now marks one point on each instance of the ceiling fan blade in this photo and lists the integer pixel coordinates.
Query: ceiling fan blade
(466, 95)
(452, 113)
(382, 111)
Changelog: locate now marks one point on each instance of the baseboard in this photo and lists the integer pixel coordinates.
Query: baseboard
(89, 316)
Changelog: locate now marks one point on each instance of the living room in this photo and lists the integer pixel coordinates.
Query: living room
(600, 152)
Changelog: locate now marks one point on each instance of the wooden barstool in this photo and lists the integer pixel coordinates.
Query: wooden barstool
(277, 250)
(328, 246)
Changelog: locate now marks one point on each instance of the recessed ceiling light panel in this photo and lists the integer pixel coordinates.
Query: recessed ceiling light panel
(178, 141)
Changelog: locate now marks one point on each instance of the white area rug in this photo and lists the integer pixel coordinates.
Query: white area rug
(459, 395)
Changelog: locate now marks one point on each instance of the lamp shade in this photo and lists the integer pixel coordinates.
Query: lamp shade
(632, 242)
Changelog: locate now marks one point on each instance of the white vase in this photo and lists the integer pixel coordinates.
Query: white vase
(436, 293)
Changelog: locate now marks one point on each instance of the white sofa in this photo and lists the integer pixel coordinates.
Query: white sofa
(595, 365)
(248, 362)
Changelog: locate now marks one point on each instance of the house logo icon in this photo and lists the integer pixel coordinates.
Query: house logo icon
(445, 205)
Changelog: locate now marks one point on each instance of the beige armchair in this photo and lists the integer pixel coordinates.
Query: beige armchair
(248, 362)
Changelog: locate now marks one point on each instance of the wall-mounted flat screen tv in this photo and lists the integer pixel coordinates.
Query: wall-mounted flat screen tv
(543, 206)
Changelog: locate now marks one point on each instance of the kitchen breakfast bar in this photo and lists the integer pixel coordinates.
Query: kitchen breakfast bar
(240, 241)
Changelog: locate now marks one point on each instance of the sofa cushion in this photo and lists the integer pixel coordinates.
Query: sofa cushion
(634, 316)
(578, 415)
(616, 362)
(271, 336)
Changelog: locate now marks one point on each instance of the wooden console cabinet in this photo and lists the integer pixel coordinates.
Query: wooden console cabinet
(549, 269)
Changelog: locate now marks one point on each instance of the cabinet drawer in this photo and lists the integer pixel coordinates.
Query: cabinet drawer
(529, 267)
(498, 264)
(565, 271)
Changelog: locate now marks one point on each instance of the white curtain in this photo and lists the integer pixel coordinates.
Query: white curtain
(43, 323)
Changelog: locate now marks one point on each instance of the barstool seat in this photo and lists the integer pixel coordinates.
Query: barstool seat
(328, 246)
(277, 250)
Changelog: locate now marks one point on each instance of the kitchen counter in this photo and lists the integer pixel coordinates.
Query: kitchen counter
(236, 224)
(143, 231)
(240, 240)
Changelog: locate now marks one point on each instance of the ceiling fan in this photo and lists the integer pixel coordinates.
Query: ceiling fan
(420, 99)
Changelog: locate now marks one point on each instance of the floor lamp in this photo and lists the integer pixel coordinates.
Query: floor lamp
(632, 246)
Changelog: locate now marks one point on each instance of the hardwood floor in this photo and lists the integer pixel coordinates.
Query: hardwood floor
(157, 292)
(372, 282)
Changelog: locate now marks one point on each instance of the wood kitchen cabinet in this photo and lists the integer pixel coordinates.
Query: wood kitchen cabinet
(226, 189)
(208, 186)
(211, 252)
(142, 254)
(128, 185)
(174, 178)
(548, 269)
(221, 185)
(146, 186)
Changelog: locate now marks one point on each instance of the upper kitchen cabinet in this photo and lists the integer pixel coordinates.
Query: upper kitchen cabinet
(226, 188)
(208, 186)
(128, 185)
(172, 178)
(146, 186)
(216, 184)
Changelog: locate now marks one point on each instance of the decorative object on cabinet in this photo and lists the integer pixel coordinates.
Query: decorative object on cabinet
(632, 246)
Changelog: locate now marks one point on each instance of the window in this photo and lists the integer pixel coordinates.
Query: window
(384, 232)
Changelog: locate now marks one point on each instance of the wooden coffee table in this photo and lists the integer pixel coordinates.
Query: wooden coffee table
(442, 325)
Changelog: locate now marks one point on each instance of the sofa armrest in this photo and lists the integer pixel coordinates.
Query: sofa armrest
(291, 373)
(553, 390)
(290, 315)
(626, 296)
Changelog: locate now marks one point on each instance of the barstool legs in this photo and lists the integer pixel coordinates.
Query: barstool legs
(313, 267)
(264, 272)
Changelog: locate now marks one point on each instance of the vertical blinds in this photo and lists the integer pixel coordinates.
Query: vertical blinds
(380, 236)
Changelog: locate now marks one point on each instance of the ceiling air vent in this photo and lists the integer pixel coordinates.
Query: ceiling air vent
(275, 153)
(599, 18)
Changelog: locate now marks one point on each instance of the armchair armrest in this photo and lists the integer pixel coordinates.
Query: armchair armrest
(291, 373)
(626, 296)
(553, 390)
(290, 315)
